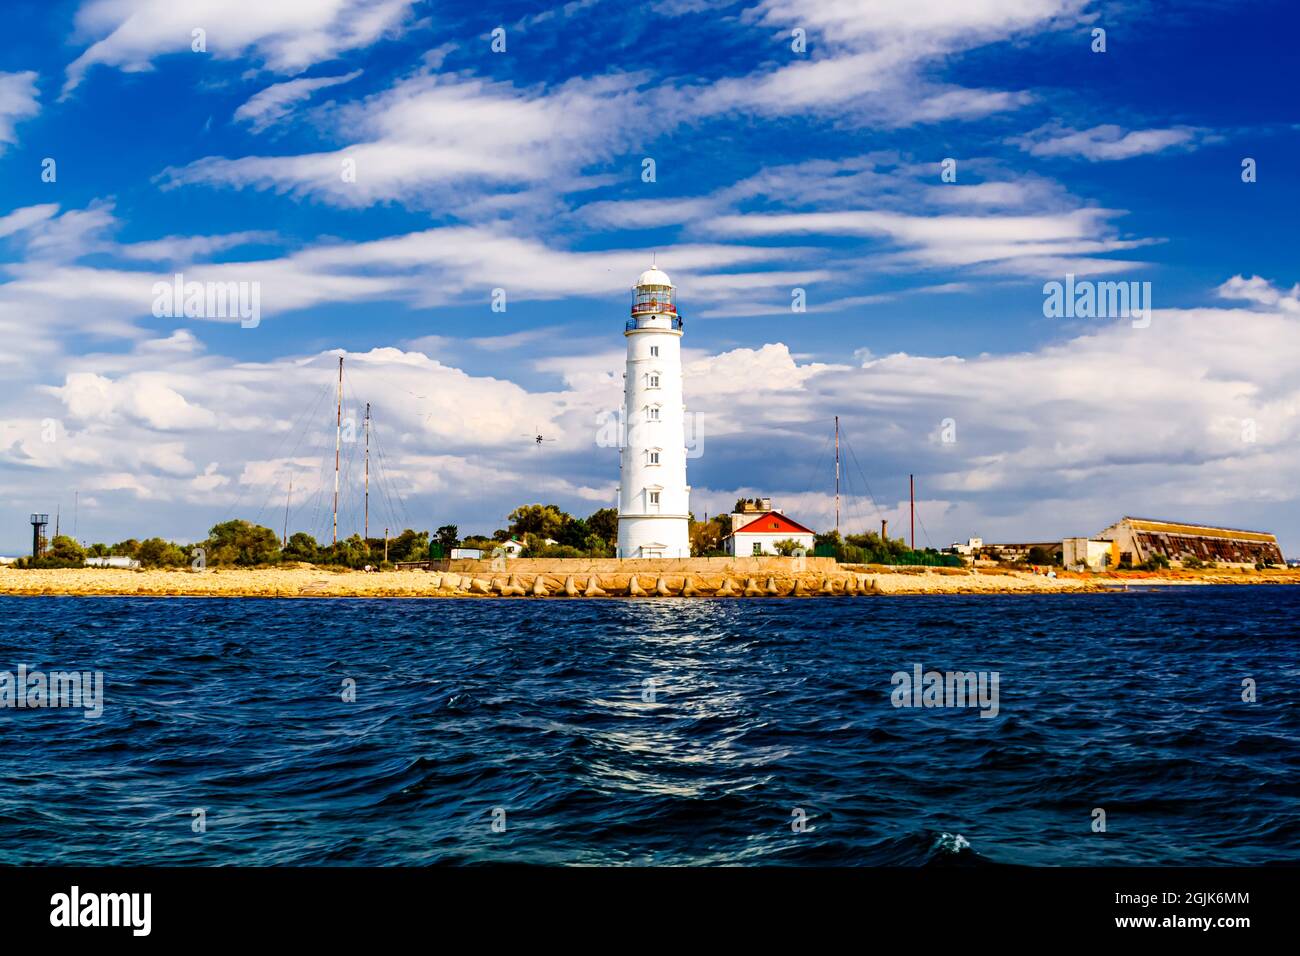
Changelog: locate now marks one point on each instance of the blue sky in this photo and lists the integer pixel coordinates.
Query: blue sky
(776, 169)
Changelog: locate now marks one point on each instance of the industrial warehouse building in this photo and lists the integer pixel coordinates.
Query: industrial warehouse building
(1138, 540)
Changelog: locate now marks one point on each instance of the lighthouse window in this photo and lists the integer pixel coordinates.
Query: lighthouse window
(652, 413)
(654, 351)
(653, 380)
(654, 497)
(654, 458)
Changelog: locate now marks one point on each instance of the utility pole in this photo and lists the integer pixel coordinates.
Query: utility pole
(57, 509)
(837, 476)
(338, 447)
(385, 546)
(366, 533)
(911, 484)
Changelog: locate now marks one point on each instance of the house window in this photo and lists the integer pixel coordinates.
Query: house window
(654, 457)
(654, 351)
(654, 497)
(652, 413)
(758, 547)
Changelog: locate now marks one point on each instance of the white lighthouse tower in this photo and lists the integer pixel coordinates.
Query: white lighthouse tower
(653, 497)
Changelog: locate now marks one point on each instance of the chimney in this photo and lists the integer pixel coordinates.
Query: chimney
(884, 529)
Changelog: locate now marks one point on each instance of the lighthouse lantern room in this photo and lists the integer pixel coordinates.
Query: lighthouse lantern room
(653, 497)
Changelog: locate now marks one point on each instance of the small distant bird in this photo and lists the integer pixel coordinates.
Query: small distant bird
(538, 438)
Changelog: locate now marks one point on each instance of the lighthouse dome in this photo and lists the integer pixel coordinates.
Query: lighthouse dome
(653, 276)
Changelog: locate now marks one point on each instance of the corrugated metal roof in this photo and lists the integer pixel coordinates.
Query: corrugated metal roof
(1204, 531)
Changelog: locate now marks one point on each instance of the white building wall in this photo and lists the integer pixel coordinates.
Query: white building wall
(742, 545)
(1094, 555)
(652, 459)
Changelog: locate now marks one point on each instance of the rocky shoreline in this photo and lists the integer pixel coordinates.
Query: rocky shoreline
(768, 578)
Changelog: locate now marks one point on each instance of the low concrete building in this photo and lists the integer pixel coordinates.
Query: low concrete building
(112, 561)
(1017, 551)
(1139, 539)
(1087, 554)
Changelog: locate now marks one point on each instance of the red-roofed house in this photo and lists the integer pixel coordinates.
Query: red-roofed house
(758, 532)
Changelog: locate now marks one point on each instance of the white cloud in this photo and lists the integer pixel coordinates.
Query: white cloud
(271, 105)
(868, 59)
(18, 101)
(1022, 244)
(1262, 293)
(429, 135)
(1106, 142)
(287, 36)
(26, 217)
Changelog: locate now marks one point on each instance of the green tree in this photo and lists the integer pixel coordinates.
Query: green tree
(604, 523)
(546, 521)
(706, 536)
(1041, 555)
(410, 545)
(127, 548)
(448, 537)
(157, 553)
(786, 546)
(351, 552)
(301, 547)
(241, 542)
(65, 549)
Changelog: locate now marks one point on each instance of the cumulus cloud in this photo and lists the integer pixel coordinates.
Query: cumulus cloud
(212, 438)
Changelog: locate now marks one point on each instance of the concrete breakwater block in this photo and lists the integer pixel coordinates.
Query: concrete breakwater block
(512, 587)
(688, 587)
(751, 588)
(593, 587)
(661, 587)
(539, 587)
(771, 588)
(634, 588)
(727, 590)
(479, 586)
(828, 586)
(570, 587)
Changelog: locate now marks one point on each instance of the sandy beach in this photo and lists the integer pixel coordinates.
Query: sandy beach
(306, 581)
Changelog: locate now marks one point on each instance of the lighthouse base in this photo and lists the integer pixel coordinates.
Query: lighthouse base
(654, 536)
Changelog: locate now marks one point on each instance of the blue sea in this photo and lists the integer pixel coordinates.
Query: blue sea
(657, 731)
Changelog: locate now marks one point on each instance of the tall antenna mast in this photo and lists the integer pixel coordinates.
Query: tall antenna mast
(911, 485)
(338, 446)
(285, 540)
(366, 535)
(837, 476)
